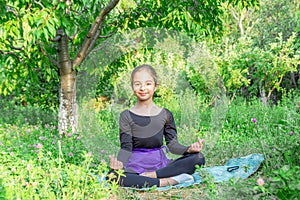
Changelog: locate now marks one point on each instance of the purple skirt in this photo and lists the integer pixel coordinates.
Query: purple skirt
(147, 160)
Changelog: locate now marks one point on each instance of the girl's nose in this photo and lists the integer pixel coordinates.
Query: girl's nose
(142, 87)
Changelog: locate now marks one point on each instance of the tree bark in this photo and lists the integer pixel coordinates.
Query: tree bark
(68, 112)
(293, 80)
(263, 96)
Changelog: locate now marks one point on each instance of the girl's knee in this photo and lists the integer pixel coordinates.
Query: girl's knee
(199, 158)
(202, 158)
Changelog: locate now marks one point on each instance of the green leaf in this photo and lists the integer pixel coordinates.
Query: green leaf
(45, 31)
(4, 91)
(51, 28)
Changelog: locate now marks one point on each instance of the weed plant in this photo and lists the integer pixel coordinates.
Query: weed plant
(13, 113)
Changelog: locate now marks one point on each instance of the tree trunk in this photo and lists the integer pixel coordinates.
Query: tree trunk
(68, 111)
(263, 96)
(68, 108)
(293, 80)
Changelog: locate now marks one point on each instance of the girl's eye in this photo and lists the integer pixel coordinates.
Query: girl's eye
(144, 84)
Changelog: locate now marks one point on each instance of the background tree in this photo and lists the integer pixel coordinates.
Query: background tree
(272, 24)
(29, 35)
(270, 49)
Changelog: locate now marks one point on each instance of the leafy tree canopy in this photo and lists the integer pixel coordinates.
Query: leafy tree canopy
(29, 66)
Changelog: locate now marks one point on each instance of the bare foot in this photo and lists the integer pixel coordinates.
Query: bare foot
(181, 178)
(166, 182)
(163, 181)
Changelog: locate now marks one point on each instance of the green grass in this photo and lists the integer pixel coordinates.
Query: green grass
(36, 163)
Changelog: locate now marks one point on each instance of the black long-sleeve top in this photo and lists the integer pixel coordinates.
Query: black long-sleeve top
(137, 131)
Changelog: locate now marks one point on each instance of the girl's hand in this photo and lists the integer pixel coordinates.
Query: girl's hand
(114, 163)
(196, 147)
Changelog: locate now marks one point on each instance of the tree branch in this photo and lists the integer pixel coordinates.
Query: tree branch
(13, 10)
(234, 14)
(39, 3)
(109, 35)
(52, 60)
(239, 17)
(11, 53)
(97, 35)
(57, 38)
(74, 34)
(59, 34)
(16, 48)
(92, 33)
(90, 48)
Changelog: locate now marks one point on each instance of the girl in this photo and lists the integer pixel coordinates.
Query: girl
(142, 130)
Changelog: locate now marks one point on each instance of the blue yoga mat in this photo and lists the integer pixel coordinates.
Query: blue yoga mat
(241, 168)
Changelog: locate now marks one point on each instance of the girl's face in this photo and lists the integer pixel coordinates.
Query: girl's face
(143, 85)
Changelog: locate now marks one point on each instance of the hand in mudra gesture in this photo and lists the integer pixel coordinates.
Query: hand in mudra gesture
(196, 147)
(114, 163)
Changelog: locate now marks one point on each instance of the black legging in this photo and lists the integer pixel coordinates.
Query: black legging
(185, 164)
